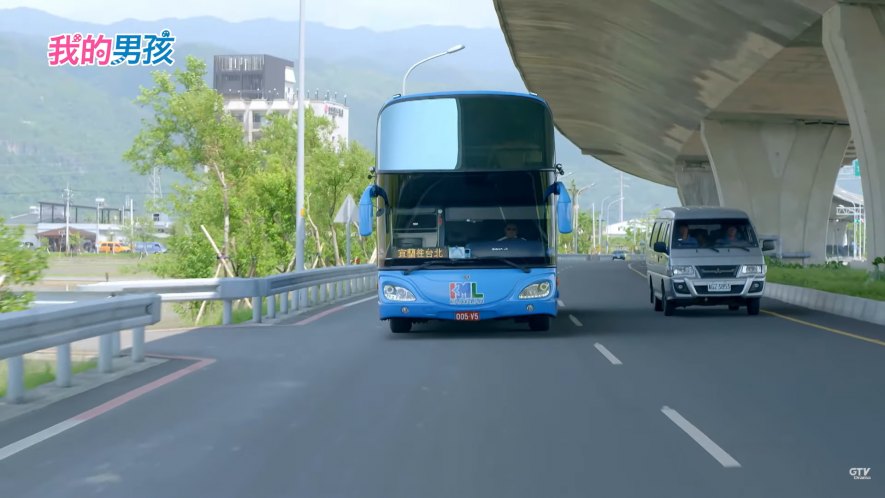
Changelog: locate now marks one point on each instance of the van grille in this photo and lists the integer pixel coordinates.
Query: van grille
(717, 271)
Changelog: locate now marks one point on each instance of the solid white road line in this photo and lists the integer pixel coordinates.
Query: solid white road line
(699, 437)
(21, 445)
(576, 321)
(608, 354)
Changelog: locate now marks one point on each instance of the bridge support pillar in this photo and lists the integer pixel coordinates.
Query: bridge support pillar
(695, 183)
(782, 175)
(854, 40)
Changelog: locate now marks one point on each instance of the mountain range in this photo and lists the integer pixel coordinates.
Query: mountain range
(70, 125)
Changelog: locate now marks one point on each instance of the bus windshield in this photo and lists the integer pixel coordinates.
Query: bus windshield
(465, 132)
(477, 217)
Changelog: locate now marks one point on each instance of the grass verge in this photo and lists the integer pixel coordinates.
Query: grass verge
(39, 372)
(829, 278)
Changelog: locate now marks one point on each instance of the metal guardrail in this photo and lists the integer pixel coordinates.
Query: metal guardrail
(285, 293)
(41, 328)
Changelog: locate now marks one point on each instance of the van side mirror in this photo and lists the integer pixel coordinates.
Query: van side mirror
(768, 245)
(660, 247)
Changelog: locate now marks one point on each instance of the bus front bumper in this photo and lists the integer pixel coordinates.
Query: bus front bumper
(490, 311)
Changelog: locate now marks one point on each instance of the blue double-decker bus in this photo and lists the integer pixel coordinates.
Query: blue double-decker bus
(467, 204)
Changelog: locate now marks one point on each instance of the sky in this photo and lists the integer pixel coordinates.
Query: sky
(378, 15)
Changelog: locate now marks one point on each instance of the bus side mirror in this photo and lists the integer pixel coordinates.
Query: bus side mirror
(366, 211)
(768, 245)
(563, 209)
(660, 247)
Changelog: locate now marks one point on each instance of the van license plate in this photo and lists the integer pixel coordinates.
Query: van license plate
(469, 316)
(719, 287)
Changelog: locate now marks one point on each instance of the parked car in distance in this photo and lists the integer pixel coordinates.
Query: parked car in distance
(620, 254)
(149, 248)
(113, 247)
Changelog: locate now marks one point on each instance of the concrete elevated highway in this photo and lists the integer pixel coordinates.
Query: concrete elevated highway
(742, 103)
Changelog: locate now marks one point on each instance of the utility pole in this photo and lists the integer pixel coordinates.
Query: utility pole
(99, 202)
(299, 186)
(68, 219)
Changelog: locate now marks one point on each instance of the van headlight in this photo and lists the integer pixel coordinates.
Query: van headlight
(536, 290)
(752, 270)
(685, 271)
(397, 293)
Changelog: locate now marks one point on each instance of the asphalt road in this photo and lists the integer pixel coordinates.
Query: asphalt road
(615, 401)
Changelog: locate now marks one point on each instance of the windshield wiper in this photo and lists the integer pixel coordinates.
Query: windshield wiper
(511, 263)
(733, 247)
(450, 262)
(427, 264)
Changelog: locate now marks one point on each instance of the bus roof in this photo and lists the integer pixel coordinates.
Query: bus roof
(461, 93)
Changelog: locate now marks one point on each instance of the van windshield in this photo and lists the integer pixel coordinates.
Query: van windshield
(690, 234)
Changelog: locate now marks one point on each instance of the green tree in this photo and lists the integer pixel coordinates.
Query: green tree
(243, 191)
(191, 134)
(18, 266)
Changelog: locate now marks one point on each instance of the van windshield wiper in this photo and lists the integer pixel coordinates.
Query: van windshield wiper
(734, 247)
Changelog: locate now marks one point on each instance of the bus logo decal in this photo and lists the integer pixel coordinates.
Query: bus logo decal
(465, 293)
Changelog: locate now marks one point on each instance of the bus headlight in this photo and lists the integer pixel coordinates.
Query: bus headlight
(536, 290)
(752, 270)
(396, 293)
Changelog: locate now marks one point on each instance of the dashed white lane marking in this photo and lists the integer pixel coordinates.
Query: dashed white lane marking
(699, 437)
(560, 303)
(575, 321)
(608, 354)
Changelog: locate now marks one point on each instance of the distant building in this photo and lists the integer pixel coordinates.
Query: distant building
(29, 222)
(254, 86)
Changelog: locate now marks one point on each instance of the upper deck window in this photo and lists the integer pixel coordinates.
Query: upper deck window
(476, 133)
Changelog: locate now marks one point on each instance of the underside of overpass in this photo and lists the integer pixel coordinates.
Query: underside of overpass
(734, 102)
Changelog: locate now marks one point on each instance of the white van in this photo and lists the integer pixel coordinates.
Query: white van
(705, 256)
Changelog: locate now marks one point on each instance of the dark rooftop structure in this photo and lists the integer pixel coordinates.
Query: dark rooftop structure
(254, 76)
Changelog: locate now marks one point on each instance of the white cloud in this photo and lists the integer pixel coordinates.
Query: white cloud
(379, 15)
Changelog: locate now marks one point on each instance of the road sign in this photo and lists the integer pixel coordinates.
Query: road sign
(856, 165)
(346, 214)
(347, 211)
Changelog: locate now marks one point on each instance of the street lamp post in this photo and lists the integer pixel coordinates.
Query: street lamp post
(452, 50)
(576, 193)
(299, 186)
(607, 213)
(602, 215)
(99, 202)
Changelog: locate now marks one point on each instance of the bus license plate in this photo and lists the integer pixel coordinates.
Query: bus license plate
(469, 316)
(719, 287)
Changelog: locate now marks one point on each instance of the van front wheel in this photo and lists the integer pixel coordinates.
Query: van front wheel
(659, 306)
(753, 306)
